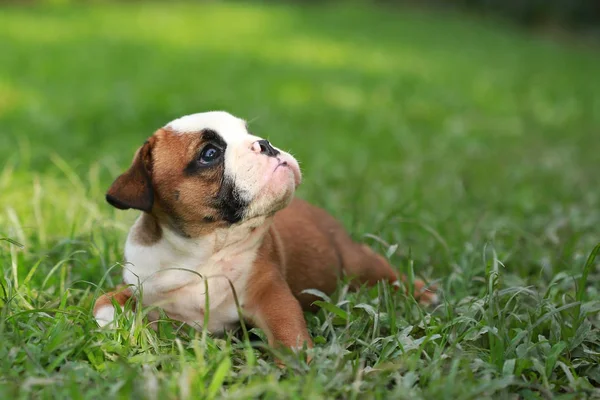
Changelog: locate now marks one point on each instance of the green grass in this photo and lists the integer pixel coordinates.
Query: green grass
(472, 146)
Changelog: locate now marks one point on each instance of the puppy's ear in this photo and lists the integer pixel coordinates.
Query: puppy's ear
(133, 189)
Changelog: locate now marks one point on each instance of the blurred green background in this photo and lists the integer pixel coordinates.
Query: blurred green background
(446, 132)
(443, 117)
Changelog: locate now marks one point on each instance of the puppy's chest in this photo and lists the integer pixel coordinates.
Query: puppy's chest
(183, 287)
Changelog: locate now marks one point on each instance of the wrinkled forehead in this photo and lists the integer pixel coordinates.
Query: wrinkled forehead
(230, 128)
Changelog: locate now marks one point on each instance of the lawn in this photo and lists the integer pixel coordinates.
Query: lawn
(465, 149)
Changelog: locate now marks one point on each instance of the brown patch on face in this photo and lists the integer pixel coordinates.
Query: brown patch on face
(184, 199)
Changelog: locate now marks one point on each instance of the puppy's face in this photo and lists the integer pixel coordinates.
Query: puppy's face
(204, 171)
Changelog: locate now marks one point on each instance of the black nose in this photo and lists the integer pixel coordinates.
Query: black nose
(266, 148)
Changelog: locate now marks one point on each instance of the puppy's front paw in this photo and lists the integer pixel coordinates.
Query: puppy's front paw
(307, 356)
(104, 311)
(105, 315)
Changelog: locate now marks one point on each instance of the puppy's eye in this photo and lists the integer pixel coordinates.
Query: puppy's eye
(209, 154)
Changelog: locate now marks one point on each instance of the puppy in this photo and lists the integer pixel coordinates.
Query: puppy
(218, 212)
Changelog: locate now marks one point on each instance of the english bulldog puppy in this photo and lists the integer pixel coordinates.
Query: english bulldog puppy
(218, 211)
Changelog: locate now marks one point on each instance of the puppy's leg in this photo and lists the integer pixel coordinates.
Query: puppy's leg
(272, 307)
(366, 266)
(104, 311)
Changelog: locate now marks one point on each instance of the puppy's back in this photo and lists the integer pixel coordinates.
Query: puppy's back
(317, 250)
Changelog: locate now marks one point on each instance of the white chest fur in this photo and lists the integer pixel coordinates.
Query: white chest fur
(173, 273)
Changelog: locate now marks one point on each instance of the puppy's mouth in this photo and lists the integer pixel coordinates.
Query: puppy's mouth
(281, 163)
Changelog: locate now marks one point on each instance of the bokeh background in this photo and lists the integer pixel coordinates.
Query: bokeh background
(447, 128)
(445, 117)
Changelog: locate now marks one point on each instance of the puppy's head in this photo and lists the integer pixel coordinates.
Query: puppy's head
(205, 171)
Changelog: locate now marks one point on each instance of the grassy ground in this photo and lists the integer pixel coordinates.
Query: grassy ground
(470, 148)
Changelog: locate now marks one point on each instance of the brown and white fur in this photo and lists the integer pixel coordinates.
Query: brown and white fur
(233, 219)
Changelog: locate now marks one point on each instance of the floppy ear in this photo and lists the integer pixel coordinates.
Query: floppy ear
(133, 189)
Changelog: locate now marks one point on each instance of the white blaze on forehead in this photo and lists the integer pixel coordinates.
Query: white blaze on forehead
(229, 127)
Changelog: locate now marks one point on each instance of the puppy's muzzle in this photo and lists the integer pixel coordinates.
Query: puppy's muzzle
(264, 147)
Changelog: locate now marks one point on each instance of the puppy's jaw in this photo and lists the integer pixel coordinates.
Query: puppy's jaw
(266, 184)
(277, 183)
